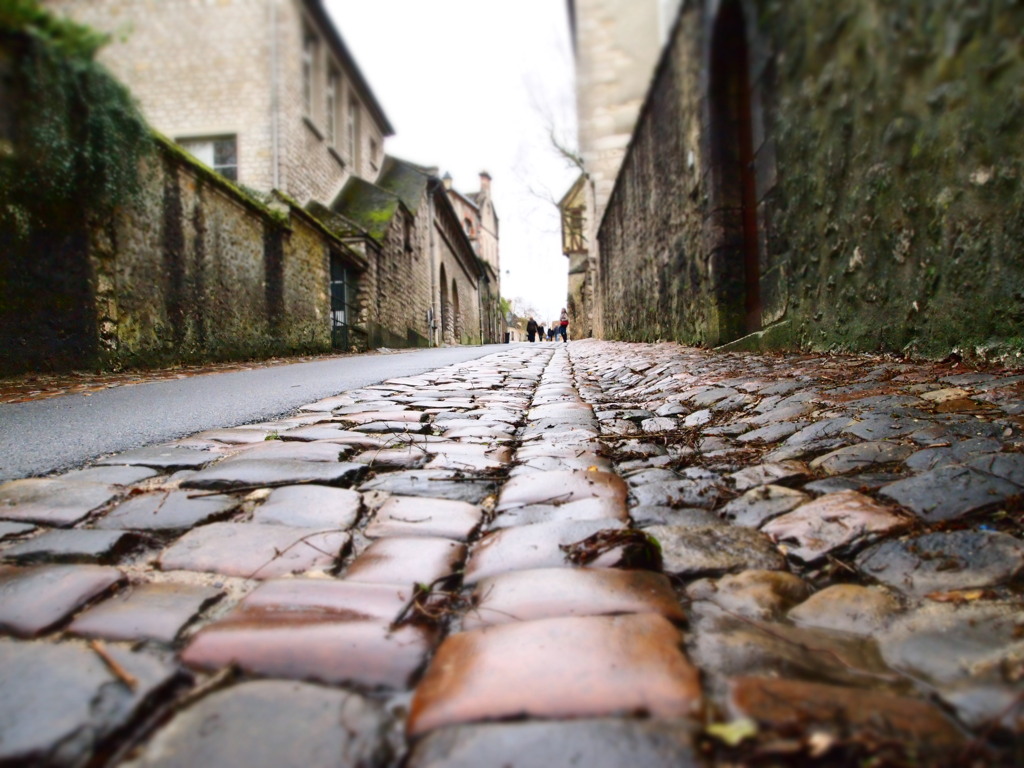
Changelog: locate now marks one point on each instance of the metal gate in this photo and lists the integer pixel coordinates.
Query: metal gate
(343, 291)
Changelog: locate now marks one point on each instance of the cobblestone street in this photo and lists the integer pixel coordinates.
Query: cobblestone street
(597, 554)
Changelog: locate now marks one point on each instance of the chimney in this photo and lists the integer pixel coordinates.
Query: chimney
(485, 182)
(447, 181)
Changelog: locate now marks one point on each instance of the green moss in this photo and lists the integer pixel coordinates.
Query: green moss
(405, 181)
(370, 207)
(910, 172)
(64, 36)
(248, 198)
(77, 136)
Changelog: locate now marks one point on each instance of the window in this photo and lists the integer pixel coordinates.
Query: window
(331, 105)
(309, 51)
(353, 133)
(373, 154)
(573, 224)
(407, 233)
(218, 152)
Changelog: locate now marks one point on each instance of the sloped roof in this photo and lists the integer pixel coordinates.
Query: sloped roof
(316, 8)
(405, 180)
(333, 220)
(368, 206)
(575, 194)
(470, 199)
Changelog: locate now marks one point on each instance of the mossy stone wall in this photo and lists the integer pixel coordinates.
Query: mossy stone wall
(900, 135)
(654, 274)
(193, 270)
(196, 271)
(891, 197)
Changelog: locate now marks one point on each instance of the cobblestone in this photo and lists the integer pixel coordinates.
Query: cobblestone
(628, 548)
(166, 511)
(273, 722)
(152, 611)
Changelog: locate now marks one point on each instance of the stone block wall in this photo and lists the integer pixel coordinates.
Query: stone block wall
(314, 168)
(192, 271)
(654, 273)
(900, 212)
(195, 271)
(616, 52)
(463, 325)
(889, 181)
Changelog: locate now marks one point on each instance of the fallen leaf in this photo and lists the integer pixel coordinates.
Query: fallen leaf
(962, 405)
(733, 733)
(635, 549)
(820, 742)
(958, 595)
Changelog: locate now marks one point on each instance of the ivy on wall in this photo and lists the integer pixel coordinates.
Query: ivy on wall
(71, 136)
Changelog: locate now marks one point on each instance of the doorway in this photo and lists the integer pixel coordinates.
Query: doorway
(343, 292)
(445, 312)
(734, 179)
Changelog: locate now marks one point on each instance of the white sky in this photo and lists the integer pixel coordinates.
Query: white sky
(473, 85)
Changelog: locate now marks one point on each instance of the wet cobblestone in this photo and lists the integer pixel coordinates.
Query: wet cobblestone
(641, 554)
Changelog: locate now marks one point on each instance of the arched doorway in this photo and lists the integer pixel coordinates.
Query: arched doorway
(456, 314)
(734, 181)
(445, 312)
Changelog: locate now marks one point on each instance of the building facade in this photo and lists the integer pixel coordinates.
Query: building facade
(480, 221)
(428, 285)
(263, 91)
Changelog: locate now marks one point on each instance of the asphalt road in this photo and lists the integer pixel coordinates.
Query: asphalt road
(62, 433)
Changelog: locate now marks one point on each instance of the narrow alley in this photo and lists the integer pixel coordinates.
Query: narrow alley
(595, 553)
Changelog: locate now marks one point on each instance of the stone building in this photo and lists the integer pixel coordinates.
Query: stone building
(480, 221)
(263, 91)
(425, 283)
(266, 93)
(579, 244)
(840, 176)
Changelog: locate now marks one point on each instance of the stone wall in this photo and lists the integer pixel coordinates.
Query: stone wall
(197, 271)
(617, 44)
(194, 270)
(312, 166)
(654, 275)
(890, 208)
(197, 68)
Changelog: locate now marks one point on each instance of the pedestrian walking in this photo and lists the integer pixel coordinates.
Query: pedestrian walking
(531, 329)
(563, 325)
(540, 331)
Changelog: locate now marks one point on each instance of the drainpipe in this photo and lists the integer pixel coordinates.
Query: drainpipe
(481, 309)
(434, 309)
(275, 105)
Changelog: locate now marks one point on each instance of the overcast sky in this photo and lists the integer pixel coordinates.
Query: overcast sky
(473, 85)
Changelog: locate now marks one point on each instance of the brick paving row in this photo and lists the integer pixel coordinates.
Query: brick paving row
(589, 554)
